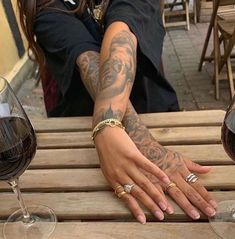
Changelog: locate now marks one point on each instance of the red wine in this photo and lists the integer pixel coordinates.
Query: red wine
(17, 146)
(228, 134)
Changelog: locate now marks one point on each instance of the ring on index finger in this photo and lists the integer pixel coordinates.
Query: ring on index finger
(191, 178)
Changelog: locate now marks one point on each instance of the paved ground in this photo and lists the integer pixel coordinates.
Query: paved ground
(181, 54)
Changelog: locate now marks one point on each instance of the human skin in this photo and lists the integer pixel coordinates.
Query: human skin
(133, 155)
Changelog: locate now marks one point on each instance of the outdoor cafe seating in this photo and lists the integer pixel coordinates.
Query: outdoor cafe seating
(65, 175)
(223, 25)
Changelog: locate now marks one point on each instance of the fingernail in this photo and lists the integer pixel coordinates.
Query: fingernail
(170, 210)
(195, 214)
(211, 212)
(159, 215)
(141, 219)
(213, 203)
(162, 205)
(166, 180)
(207, 167)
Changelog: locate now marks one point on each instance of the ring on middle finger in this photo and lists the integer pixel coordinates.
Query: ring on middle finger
(191, 178)
(169, 186)
(128, 187)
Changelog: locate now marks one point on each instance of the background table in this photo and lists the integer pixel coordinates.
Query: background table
(65, 175)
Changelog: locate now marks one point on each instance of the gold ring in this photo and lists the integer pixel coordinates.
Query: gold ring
(121, 194)
(116, 190)
(169, 186)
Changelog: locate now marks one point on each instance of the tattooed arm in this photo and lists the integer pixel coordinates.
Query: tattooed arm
(171, 162)
(120, 159)
(117, 73)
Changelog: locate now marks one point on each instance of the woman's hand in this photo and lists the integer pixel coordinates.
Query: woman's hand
(121, 163)
(189, 196)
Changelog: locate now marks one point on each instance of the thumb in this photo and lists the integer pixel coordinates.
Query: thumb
(197, 168)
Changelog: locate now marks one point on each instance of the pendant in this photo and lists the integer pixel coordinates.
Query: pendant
(97, 12)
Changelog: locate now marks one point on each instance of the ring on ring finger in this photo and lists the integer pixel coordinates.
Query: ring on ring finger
(128, 187)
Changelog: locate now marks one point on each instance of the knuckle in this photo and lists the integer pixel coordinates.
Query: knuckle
(188, 206)
(144, 184)
(194, 196)
(177, 193)
(131, 154)
(117, 173)
(149, 167)
(139, 194)
(128, 200)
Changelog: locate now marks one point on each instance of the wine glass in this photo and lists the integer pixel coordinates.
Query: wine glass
(223, 223)
(17, 148)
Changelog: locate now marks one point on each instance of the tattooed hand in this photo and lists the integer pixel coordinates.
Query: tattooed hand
(115, 148)
(189, 197)
(121, 162)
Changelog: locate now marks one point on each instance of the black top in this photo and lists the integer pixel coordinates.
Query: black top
(64, 36)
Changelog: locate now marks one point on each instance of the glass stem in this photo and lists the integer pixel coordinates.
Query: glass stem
(16, 189)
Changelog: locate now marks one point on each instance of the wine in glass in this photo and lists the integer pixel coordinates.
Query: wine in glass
(17, 148)
(223, 223)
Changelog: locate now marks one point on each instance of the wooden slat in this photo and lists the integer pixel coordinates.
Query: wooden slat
(129, 230)
(187, 135)
(81, 158)
(65, 158)
(155, 120)
(213, 154)
(220, 177)
(165, 136)
(90, 205)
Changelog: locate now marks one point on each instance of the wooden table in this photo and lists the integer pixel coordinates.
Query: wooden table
(65, 175)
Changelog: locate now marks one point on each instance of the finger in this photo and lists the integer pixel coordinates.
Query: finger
(139, 194)
(183, 202)
(150, 167)
(169, 209)
(142, 196)
(145, 184)
(204, 193)
(197, 168)
(134, 207)
(195, 198)
(201, 190)
(131, 203)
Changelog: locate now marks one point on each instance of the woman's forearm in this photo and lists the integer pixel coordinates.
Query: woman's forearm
(88, 64)
(117, 73)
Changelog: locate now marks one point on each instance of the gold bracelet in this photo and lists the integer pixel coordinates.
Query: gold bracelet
(108, 122)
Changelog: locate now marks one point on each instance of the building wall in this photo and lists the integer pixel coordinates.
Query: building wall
(12, 40)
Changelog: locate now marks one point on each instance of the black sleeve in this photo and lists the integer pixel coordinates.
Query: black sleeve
(63, 37)
(145, 21)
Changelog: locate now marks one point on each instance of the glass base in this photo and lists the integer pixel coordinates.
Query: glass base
(41, 226)
(223, 223)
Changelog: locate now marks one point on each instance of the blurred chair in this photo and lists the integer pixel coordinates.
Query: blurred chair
(224, 34)
(223, 25)
(225, 14)
(173, 9)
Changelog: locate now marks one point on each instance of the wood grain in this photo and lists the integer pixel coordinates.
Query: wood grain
(131, 230)
(165, 136)
(87, 158)
(220, 177)
(91, 205)
(155, 120)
